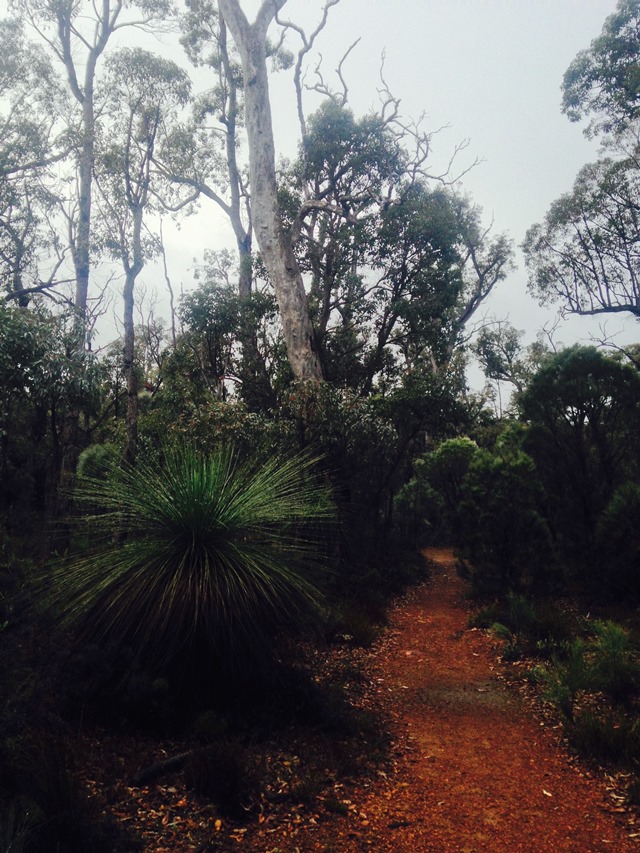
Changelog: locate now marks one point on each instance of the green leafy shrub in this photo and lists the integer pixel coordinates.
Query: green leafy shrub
(200, 561)
(435, 490)
(532, 626)
(615, 669)
(97, 460)
(606, 738)
(618, 542)
(584, 415)
(503, 534)
(565, 677)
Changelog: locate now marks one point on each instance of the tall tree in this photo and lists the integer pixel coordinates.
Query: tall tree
(603, 81)
(208, 158)
(77, 33)
(584, 410)
(276, 245)
(399, 264)
(142, 94)
(586, 253)
(33, 136)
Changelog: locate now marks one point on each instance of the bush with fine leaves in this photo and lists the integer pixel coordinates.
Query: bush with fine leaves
(202, 560)
(503, 533)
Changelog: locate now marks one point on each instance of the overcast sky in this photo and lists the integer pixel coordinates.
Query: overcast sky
(489, 71)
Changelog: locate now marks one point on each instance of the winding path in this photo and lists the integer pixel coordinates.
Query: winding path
(476, 770)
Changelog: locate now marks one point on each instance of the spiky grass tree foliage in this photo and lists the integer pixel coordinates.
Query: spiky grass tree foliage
(197, 558)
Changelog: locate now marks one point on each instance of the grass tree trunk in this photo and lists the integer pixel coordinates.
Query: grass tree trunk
(274, 243)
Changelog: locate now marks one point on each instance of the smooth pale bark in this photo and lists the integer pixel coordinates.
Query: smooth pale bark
(274, 243)
(106, 18)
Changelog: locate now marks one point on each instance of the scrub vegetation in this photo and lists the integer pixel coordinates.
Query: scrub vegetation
(203, 523)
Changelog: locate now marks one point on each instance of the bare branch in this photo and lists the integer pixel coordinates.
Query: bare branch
(307, 45)
(322, 88)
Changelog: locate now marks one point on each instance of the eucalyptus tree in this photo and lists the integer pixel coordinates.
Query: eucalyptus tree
(584, 411)
(33, 137)
(208, 156)
(603, 81)
(586, 253)
(275, 243)
(143, 94)
(398, 263)
(76, 33)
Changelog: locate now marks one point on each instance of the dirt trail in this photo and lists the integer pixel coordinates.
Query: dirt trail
(477, 771)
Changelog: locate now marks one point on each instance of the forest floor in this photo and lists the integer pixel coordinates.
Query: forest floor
(471, 764)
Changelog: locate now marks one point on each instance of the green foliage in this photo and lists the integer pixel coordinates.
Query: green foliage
(534, 627)
(503, 534)
(447, 466)
(606, 662)
(566, 676)
(603, 81)
(584, 254)
(503, 358)
(433, 493)
(356, 438)
(44, 376)
(618, 542)
(352, 156)
(584, 411)
(606, 738)
(96, 461)
(388, 256)
(200, 563)
(615, 666)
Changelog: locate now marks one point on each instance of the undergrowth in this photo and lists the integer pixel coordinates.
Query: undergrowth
(589, 670)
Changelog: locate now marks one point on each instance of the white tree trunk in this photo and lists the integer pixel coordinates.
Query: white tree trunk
(275, 245)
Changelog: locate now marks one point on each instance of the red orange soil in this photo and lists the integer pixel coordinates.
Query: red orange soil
(479, 771)
(473, 769)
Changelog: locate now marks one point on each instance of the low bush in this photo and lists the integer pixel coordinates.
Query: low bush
(565, 677)
(606, 738)
(531, 627)
(615, 666)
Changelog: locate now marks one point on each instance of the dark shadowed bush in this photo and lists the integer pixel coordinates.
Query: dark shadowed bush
(618, 543)
(503, 534)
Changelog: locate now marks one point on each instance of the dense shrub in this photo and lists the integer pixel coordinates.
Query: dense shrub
(583, 409)
(502, 532)
(433, 494)
(618, 543)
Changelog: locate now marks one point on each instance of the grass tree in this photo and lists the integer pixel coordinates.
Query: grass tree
(202, 564)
